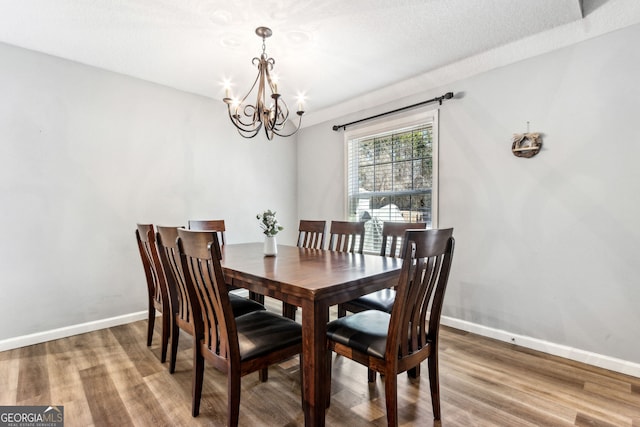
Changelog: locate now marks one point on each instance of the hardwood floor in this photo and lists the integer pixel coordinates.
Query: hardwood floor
(111, 378)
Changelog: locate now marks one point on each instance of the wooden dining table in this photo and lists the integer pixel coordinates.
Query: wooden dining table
(314, 280)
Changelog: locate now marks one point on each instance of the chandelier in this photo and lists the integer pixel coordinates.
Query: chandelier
(269, 111)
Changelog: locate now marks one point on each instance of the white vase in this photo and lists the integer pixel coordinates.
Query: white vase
(270, 246)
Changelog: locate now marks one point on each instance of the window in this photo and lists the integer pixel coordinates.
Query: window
(392, 174)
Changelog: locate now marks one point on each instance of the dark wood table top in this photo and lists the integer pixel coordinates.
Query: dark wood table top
(310, 274)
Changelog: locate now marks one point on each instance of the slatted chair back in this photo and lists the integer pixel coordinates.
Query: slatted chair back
(179, 294)
(158, 298)
(420, 291)
(169, 257)
(311, 234)
(346, 236)
(216, 225)
(200, 260)
(392, 244)
(393, 234)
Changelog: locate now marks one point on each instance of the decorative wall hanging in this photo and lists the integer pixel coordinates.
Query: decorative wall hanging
(526, 144)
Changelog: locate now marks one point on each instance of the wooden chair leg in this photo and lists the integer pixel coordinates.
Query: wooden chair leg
(341, 311)
(289, 311)
(371, 374)
(301, 382)
(327, 384)
(391, 399)
(263, 374)
(198, 373)
(256, 297)
(434, 383)
(175, 336)
(151, 323)
(166, 328)
(414, 372)
(233, 399)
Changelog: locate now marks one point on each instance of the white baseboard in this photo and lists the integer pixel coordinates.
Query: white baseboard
(67, 331)
(599, 360)
(602, 361)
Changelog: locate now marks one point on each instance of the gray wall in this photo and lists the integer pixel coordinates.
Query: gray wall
(547, 248)
(84, 155)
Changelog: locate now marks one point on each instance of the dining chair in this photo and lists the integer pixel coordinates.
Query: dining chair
(311, 234)
(156, 286)
(216, 225)
(392, 234)
(396, 342)
(234, 345)
(346, 236)
(182, 298)
(219, 227)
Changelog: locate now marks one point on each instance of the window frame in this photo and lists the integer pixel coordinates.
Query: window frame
(418, 117)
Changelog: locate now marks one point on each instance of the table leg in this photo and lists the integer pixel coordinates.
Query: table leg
(314, 343)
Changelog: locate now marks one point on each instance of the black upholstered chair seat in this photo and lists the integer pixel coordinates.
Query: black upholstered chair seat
(380, 300)
(241, 305)
(262, 332)
(365, 331)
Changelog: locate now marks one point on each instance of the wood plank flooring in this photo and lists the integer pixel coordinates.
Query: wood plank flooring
(111, 378)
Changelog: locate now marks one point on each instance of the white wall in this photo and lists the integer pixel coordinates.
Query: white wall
(84, 155)
(546, 248)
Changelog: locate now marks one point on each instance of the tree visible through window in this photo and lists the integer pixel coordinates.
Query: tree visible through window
(391, 178)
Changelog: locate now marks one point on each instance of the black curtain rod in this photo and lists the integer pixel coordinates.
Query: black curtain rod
(439, 99)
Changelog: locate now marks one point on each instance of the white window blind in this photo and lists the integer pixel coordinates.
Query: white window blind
(392, 176)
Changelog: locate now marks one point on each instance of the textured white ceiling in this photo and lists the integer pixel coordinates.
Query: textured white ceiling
(333, 50)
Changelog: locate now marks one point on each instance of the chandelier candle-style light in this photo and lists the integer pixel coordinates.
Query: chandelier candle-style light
(270, 111)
